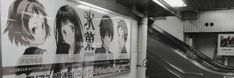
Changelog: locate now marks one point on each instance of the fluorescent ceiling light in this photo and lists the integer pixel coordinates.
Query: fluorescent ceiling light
(175, 3)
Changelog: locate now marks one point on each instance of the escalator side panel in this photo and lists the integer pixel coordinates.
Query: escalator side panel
(175, 53)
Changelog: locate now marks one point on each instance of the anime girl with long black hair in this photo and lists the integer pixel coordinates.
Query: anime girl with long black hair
(68, 35)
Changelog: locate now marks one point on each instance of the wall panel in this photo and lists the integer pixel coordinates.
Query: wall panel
(223, 21)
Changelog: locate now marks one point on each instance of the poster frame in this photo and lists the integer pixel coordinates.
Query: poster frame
(108, 11)
(228, 46)
(1, 42)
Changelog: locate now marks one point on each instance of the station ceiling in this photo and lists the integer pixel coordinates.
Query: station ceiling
(210, 4)
(155, 10)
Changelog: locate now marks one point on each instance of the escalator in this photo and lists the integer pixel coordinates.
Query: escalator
(168, 57)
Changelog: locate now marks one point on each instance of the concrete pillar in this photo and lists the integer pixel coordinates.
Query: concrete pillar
(142, 47)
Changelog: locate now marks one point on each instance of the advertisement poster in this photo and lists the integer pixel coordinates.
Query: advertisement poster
(62, 39)
(226, 44)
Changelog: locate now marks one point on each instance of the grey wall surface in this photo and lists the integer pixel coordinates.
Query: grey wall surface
(222, 22)
(206, 43)
(172, 25)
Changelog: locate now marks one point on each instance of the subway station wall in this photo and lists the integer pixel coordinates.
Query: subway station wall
(211, 21)
(206, 28)
(51, 7)
(172, 25)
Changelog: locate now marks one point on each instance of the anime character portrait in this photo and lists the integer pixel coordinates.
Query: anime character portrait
(27, 26)
(106, 33)
(68, 35)
(122, 35)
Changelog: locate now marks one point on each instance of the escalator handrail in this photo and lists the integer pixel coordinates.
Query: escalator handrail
(188, 48)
